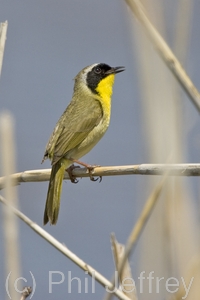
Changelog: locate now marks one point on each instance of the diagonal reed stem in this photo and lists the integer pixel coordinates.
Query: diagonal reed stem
(165, 52)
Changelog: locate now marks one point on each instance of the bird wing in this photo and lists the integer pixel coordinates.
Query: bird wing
(73, 127)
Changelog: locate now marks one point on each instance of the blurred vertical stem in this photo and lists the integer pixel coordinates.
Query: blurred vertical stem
(138, 228)
(165, 52)
(3, 31)
(10, 228)
(183, 28)
(10, 225)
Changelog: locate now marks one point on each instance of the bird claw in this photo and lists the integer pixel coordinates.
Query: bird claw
(71, 176)
(95, 179)
(74, 180)
(90, 170)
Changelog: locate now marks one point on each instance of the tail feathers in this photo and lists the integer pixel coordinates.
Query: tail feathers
(54, 192)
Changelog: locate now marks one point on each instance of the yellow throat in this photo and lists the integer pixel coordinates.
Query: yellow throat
(104, 90)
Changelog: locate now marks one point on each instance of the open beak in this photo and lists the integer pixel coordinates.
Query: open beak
(115, 70)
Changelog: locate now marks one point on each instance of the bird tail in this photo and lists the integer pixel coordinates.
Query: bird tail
(54, 191)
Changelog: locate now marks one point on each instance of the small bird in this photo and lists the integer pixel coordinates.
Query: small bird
(79, 129)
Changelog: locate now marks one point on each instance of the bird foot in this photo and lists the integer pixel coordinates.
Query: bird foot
(90, 169)
(71, 176)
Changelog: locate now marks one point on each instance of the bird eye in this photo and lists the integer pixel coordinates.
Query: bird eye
(97, 70)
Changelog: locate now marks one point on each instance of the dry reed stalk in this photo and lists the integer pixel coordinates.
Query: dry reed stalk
(142, 169)
(3, 31)
(127, 282)
(9, 224)
(138, 229)
(165, 52)
(64, 250)
(169, 239)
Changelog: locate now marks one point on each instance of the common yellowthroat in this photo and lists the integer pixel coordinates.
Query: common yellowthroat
(79, 129)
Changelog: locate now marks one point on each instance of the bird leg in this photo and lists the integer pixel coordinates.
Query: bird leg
(90, 169)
